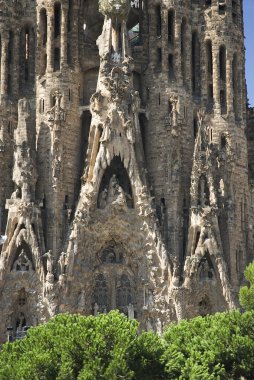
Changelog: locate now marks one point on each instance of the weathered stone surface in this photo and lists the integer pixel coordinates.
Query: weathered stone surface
(124, 169)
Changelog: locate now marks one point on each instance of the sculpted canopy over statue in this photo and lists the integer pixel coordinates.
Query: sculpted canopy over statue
(119, 8)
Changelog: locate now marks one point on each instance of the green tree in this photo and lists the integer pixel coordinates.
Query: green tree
(109, 347)
(215, 347)
(85, 348)
(246, 295)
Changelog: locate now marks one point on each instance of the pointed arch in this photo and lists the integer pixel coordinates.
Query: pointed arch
(101, 293)
(124, 292)
(23, 258)
(206, 271)
(116, 173)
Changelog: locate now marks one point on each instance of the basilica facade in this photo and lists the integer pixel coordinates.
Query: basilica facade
(126, 159)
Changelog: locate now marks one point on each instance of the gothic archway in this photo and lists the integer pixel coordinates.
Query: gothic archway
(115, 183)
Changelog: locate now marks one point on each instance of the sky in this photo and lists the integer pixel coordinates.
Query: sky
(249, 45)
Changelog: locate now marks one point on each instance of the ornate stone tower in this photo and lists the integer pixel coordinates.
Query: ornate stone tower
(123, 159)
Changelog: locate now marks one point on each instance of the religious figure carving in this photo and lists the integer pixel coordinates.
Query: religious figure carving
(130, 308)
(95, 309)
(22, 264)
(205, 272)
(62, 263)
(50, 261)
(82, 300)
(21, 321)
(96, 102)
(115, 192)
(106, 132)
(113, 195)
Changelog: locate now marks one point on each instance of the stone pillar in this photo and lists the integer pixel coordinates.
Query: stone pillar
(64, 16)
(216, 79)
(4, 66)
(50, 40)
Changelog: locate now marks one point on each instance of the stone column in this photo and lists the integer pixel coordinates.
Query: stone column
(50, 40)
(216, 79)
(64, 15)
(4, 66)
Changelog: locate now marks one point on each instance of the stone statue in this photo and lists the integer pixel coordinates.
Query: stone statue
(20, 321)
(95, 309)
(82, 300)
(16, 194)
(115, 192)
(50, 261)
(159, 326)
(62, 263)
(56, 114)
(149, 326)
(106, 132)
(130, 311)
(22, 264)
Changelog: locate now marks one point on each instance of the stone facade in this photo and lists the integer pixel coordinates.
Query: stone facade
(123, 159)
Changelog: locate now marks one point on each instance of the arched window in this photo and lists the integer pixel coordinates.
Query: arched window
(195, 128)
(171, 27)
(158, 20)
(235, 83)
(183, 48)
(171, 73)
(234, 11)
(57, 18)
(209, 70)
(123, 295)
(223, 75)
(70, 16)
(56, 59)
(101, 292)
(222, 57)
(195, 59)
(43, 27)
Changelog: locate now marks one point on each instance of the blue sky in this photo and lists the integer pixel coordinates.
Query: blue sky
(249, 44)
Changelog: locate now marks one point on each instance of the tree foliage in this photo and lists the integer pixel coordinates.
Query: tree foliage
(85, 348)
(110, 347)
(219, 346)
(246, 295)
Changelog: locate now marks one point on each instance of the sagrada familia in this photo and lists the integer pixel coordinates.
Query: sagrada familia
(126, 159)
